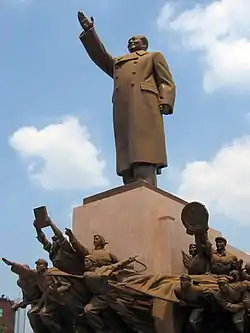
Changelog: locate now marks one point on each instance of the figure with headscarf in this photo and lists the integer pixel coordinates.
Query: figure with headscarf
(102, 256)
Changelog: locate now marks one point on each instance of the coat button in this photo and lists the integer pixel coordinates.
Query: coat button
(134, 72)
(132, 84)
(116, 88)
(135, 62)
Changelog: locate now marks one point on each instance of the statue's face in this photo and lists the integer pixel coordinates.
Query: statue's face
(220, 245)
(135, 43)
(185, 283)
(97, 240)
(40, 267)
(192, 250)
(88, 263)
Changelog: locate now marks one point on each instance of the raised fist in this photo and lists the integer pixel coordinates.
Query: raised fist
(85, 23)
(68, 232)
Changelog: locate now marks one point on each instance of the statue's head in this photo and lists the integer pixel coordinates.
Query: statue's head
(99, 241)
(41, 265)
(137, 43)
(192, 249)
(221, 243)
(90, 262)
(185, 281)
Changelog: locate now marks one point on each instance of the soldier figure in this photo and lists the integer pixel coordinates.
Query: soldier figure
(194, 296)
(143, 91)
(97, 281)
(231, 297)
(59, 292)
(31, 296)
(222, 261)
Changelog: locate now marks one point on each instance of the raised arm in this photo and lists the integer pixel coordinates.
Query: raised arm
(21, 270)
(43, 240)
(76, 245)
(165, 83)
(122, 264)
(94, 47)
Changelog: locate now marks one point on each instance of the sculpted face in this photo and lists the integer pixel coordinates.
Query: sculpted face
(97, 241)
(220, 245)
(192, 249)
(88, 264)
(185, 282)
(137, 43)
(40, 267)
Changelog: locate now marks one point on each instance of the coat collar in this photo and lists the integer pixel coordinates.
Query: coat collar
(131, 56)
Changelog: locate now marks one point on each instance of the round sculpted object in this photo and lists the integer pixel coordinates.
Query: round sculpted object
(195, 217)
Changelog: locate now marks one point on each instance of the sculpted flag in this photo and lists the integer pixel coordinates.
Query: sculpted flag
(162, 286)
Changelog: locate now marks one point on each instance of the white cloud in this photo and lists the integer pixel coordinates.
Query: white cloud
(222, 183)
(60, 156)
(220, 31)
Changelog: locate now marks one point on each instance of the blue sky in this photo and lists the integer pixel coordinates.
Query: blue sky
(50, 90)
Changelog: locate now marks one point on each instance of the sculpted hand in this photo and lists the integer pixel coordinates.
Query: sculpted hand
(182, 303)
(7, 262)
(132, 259)
(85, 23)
(68, 232)
(164, 108)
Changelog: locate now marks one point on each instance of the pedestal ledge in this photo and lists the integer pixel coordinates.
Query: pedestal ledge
(129, 187)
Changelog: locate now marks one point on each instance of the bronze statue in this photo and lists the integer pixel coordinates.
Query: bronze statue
(222, 262)
(233, 297)
(217, 261)
(97, 281)
(62, 254)
(144, 90)
(60, 291)
(194, 296)
(101, 255)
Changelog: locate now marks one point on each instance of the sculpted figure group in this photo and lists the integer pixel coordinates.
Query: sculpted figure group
(74, 295)
(216, 287)
(91, 290)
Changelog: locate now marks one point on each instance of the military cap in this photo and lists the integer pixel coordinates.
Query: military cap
(42, 261)
(220, 239)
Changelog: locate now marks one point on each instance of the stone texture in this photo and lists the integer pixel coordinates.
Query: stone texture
(139, 220)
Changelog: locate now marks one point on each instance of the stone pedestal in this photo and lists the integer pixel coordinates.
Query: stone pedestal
(139, 219)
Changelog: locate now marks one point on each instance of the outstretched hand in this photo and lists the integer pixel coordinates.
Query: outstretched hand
(132, 259)
(85, 23)
(7, 262)
(68, 232)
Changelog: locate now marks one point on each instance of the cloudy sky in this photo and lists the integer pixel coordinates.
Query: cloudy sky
(56, 137)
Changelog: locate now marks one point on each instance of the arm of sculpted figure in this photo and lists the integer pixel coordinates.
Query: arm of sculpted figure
(58, 233)
(21, 270)
(165, 83)
(43, 239)
(94, 47)
(122, 264)
(77, 246)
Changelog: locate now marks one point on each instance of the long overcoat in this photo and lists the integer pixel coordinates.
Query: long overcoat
(142, 81)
